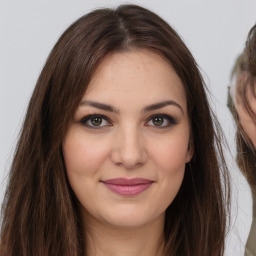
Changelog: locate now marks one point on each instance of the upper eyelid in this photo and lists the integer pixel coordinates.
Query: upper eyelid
(167, 116)
(87, 117)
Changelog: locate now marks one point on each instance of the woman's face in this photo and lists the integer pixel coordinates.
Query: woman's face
(246, 121)
(127, 145)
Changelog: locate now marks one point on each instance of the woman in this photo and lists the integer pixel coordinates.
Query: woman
(117, 154)
(243, 93)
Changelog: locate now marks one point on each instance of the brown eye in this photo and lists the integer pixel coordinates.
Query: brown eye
(96, 121)
(158, 121)
(161, 121)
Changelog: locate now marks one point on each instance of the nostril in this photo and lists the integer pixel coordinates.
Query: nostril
(128, 148)
(130, 159)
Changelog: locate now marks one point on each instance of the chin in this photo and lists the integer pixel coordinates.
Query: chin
(128, 217)
(124, 222)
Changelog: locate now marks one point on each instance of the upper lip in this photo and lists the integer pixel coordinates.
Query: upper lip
(127, 182)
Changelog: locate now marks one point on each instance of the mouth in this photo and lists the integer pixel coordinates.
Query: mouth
(127, 187)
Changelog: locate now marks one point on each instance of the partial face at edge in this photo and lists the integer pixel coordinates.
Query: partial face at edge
(126, 148)
(246, 121)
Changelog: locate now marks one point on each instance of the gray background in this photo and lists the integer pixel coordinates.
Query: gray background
(214, 31)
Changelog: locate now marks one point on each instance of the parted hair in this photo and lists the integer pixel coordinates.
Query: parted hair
(40, 213)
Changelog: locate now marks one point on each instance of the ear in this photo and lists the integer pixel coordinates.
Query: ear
(190, 151)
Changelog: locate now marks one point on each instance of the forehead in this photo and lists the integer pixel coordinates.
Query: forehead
(135, 75)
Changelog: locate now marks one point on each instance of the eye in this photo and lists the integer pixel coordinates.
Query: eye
(95, 121)
(161, 121)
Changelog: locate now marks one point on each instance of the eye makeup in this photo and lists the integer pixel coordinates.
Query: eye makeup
(99, 121)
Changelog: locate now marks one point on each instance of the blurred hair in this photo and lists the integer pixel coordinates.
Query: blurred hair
(250, 51)
(246, 62)
(250, 67)
(40, 211)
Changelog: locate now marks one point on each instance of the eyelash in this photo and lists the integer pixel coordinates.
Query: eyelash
(170, 120)
(84, 121)
(166, 118)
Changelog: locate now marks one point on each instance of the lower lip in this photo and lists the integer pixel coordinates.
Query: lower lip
(127, 190)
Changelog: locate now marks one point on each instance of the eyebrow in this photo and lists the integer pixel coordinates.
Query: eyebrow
(151, 107)
(163, 104)
(99, 105)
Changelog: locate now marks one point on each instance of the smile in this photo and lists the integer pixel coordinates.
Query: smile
(127, 187)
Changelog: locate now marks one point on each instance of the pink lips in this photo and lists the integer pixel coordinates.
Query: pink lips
(127, 187)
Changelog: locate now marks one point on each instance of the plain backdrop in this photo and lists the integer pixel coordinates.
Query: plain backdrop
(214, 30)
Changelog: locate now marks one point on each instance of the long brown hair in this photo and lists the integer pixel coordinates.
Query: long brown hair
(40, 213)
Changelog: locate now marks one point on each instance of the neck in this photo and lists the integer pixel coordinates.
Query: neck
(107, 240)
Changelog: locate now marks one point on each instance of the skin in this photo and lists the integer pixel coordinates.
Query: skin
(246, 121)
(129, 143)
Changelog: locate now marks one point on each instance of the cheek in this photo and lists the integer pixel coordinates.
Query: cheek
(81, 156)
(248, 124)
(250, 130)
(171, 154)
(170, 158)
(170, 161)
(83, 160)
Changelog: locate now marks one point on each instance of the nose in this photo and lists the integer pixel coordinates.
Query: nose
(129, 149)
